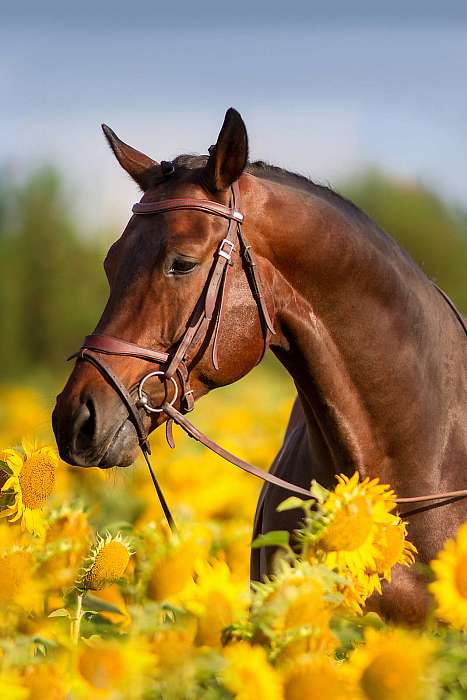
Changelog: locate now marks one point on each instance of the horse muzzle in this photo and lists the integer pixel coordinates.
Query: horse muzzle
(92, 429)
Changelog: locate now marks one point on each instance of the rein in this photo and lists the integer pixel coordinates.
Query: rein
(203, 326)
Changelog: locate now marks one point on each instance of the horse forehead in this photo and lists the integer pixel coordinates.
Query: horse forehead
(175, 188)
(155, 230)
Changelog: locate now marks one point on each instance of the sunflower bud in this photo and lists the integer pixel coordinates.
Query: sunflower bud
(106, 563)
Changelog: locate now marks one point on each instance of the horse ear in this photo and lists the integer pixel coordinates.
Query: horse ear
(228, 157)
(139, 166)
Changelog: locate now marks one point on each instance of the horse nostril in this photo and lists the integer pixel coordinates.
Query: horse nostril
(85, 424)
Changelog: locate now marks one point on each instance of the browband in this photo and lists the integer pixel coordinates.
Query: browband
(205, 205)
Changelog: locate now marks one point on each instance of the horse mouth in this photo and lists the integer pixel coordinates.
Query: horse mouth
(117, 451)
(121, 449)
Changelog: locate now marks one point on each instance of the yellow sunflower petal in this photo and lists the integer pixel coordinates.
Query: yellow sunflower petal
(10, 483)
(450, 587)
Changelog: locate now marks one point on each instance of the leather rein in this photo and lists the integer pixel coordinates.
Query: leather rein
(203, 326)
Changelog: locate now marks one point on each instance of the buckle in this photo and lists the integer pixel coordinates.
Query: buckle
(224, 253)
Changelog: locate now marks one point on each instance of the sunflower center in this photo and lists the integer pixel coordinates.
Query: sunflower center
(461, 575)
(109, 565)
(349, 528)
(36, 479)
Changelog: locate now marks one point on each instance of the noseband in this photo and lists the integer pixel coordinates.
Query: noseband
(203, 327)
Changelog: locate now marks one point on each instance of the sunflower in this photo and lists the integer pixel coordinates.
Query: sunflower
(247, 673)
(450, 587)
(215, 599)
(394, 548)
(394, 665)
(354, 596)
(32, 481)
(66, 544)
(292, 609)
(358, 535)
(317, 676)
(106, 563)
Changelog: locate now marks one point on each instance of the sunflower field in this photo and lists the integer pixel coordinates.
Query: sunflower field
(99, 601)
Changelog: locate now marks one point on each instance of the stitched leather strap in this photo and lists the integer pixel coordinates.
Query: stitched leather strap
(202, 204)
(116, 346)
(257, 289)
(193, 432)
(433, 497)
(204, 309)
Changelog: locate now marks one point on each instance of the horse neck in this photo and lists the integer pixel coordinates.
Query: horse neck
(352, 320)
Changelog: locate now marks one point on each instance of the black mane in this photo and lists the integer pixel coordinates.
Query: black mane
(260, 168)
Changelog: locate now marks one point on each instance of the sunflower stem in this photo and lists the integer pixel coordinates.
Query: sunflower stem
(76, 620)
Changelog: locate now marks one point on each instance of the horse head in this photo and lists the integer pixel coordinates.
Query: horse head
(158, 271)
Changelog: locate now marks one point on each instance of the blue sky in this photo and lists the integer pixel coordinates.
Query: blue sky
(325, 90)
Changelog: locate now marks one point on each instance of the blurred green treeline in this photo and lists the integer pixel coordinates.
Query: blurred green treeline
(53, 288)
(52, 284)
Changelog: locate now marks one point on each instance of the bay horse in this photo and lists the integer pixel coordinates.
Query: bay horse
(377, 355)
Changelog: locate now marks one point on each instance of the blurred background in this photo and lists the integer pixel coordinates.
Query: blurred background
(367, 97)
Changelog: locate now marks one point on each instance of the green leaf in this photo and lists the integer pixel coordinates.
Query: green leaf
(274, 538)
(45, 643)
(290, 503)
(92, 603)
(5, 468)
(60, 612)
(96, 617)
(120, 525)
(319, 492)
(6, 499)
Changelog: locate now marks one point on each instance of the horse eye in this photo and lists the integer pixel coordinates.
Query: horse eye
(180, 266)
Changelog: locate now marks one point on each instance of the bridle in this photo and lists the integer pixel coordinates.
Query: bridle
(203, 326)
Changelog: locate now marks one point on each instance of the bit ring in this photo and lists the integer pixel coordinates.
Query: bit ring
(143, 399)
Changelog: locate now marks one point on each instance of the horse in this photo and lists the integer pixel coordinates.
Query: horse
(377, 356)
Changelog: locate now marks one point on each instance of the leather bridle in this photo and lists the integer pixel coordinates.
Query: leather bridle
(203, 326)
